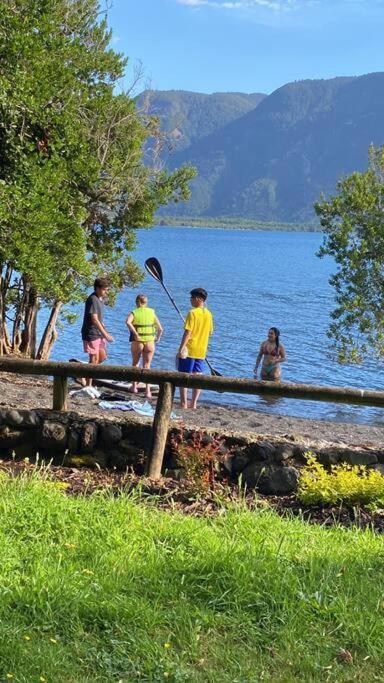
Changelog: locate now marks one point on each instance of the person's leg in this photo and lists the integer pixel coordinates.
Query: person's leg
(93, 360)
(136, 351)
(148, 352)
(198, 369)
(185, 365)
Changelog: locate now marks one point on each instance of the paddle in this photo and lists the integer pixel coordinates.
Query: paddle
(153, 267)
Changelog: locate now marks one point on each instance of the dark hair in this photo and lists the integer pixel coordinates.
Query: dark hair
(101, 282)
(277, 335)
(199, 292)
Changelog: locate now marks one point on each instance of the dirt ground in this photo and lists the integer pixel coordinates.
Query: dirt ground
(22, 391)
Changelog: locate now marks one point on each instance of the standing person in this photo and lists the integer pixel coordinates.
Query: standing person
(93, 332)
(145, 329)
(198, 327)
(272, 353)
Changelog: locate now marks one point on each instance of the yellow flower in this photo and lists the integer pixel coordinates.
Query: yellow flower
(69, 545)
(9, 676)
(42, 679)
(167, 646)
(27, 637)
(53, 640)
(87, 571)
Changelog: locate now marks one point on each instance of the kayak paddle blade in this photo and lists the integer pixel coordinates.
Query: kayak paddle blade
(153, 267)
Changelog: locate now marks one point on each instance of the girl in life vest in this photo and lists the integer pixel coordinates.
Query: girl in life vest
(144, 330)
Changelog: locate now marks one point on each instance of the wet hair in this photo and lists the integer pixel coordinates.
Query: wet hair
(101, 282)
(277, 335)
(199, 293)
(141, 299)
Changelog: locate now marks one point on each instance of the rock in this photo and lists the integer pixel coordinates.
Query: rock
(138, 433)
(26, 450)
(52, 435)
(270, 479)
(127, 457)
(30, 419)
(261, 451)
(97, 458)
(379, 467)
(239, 462)
(10, 417)
(11, 437)
(176, 474)
(88, 437)
(360, 458)
(329, 456)
(283, 453)
(74, 439)
(111, 434)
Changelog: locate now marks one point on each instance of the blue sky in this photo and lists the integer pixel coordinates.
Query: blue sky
(247, 45)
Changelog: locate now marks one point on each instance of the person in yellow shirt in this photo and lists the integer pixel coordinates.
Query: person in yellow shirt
(198, 327)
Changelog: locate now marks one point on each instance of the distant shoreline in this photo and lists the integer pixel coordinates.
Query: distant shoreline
(233, 223)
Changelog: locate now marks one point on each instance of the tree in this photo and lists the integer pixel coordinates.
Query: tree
(73, 184)
(353, 223)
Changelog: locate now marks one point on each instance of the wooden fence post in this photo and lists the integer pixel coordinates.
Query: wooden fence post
(160, 430)
(60, 390)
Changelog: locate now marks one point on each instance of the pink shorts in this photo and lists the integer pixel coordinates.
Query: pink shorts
(93, 347)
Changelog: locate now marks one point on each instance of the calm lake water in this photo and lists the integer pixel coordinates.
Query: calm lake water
(255, 280)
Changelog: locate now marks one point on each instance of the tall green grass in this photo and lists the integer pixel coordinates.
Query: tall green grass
(111, 589)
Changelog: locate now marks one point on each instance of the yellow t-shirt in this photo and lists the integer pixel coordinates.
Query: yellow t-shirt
(199, 322)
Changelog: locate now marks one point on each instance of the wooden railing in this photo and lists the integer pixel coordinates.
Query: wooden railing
(168, 381)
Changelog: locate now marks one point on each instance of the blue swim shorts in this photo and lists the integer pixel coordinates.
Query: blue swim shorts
(192, 365)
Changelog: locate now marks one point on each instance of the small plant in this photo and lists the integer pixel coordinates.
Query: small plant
(199, 457)
(351, 484)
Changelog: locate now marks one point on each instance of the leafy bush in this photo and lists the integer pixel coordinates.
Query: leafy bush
(354, 484)
(199, 457)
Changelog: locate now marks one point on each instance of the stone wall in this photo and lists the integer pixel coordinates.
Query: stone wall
(66, 438)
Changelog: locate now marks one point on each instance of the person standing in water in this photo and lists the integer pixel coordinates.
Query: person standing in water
(145, 329)
(198, 327)
(273, 354)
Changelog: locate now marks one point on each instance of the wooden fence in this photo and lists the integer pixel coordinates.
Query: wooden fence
(168, 381)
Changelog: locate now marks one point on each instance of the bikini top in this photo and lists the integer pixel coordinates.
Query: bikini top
(275, 352)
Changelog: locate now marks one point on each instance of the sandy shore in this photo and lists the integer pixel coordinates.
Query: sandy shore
(18, 391)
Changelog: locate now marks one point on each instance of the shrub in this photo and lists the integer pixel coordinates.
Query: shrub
(199, 457)
(353, 484)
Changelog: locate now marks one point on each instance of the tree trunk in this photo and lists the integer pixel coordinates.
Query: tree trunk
(28, 335)
(50, 333)
(5, 279)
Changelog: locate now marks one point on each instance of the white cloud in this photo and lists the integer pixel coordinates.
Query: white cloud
(276, 5)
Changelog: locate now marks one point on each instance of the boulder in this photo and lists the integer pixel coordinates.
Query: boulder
(126, 456)
(10, 417)
(52, 435)
(271, 479)
(360, 458)
(88, 437)
(9, 438)
(110, 434)
(263, 451)
(30, 419)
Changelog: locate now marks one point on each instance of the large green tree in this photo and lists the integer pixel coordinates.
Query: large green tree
(353, 224)
(73, 184)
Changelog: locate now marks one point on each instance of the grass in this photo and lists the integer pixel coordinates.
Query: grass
(110, 589)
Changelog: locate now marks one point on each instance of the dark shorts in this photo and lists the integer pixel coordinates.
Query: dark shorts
(192, 365)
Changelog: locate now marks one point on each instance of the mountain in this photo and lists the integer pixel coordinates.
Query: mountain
(272, 162)
(189, 116)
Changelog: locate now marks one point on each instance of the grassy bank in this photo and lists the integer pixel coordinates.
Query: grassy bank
(111, 589)
(235, 222)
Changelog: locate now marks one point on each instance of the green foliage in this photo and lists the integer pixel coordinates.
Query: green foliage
(353, 224)
(272, 162)
(235, 222)
(348, 484)
(104, 588)
(73, 184)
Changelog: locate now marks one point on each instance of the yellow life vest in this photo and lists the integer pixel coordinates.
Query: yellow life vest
(144, 323)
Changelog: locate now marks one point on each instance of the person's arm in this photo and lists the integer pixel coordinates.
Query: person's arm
(258, 359)
(282, 355)
(96, 322)
(184, 341)
(159, 328)
(129, 324)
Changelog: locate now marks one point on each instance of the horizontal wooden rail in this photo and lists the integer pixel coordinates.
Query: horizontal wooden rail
(308, 392)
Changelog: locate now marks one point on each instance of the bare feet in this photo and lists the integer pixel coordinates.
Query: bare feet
(183, 406)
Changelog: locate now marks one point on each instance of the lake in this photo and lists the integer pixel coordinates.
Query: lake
(255, 280)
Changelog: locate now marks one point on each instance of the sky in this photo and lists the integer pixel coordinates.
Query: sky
(246, 45)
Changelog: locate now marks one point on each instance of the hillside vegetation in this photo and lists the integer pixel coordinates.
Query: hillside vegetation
(272, 162)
